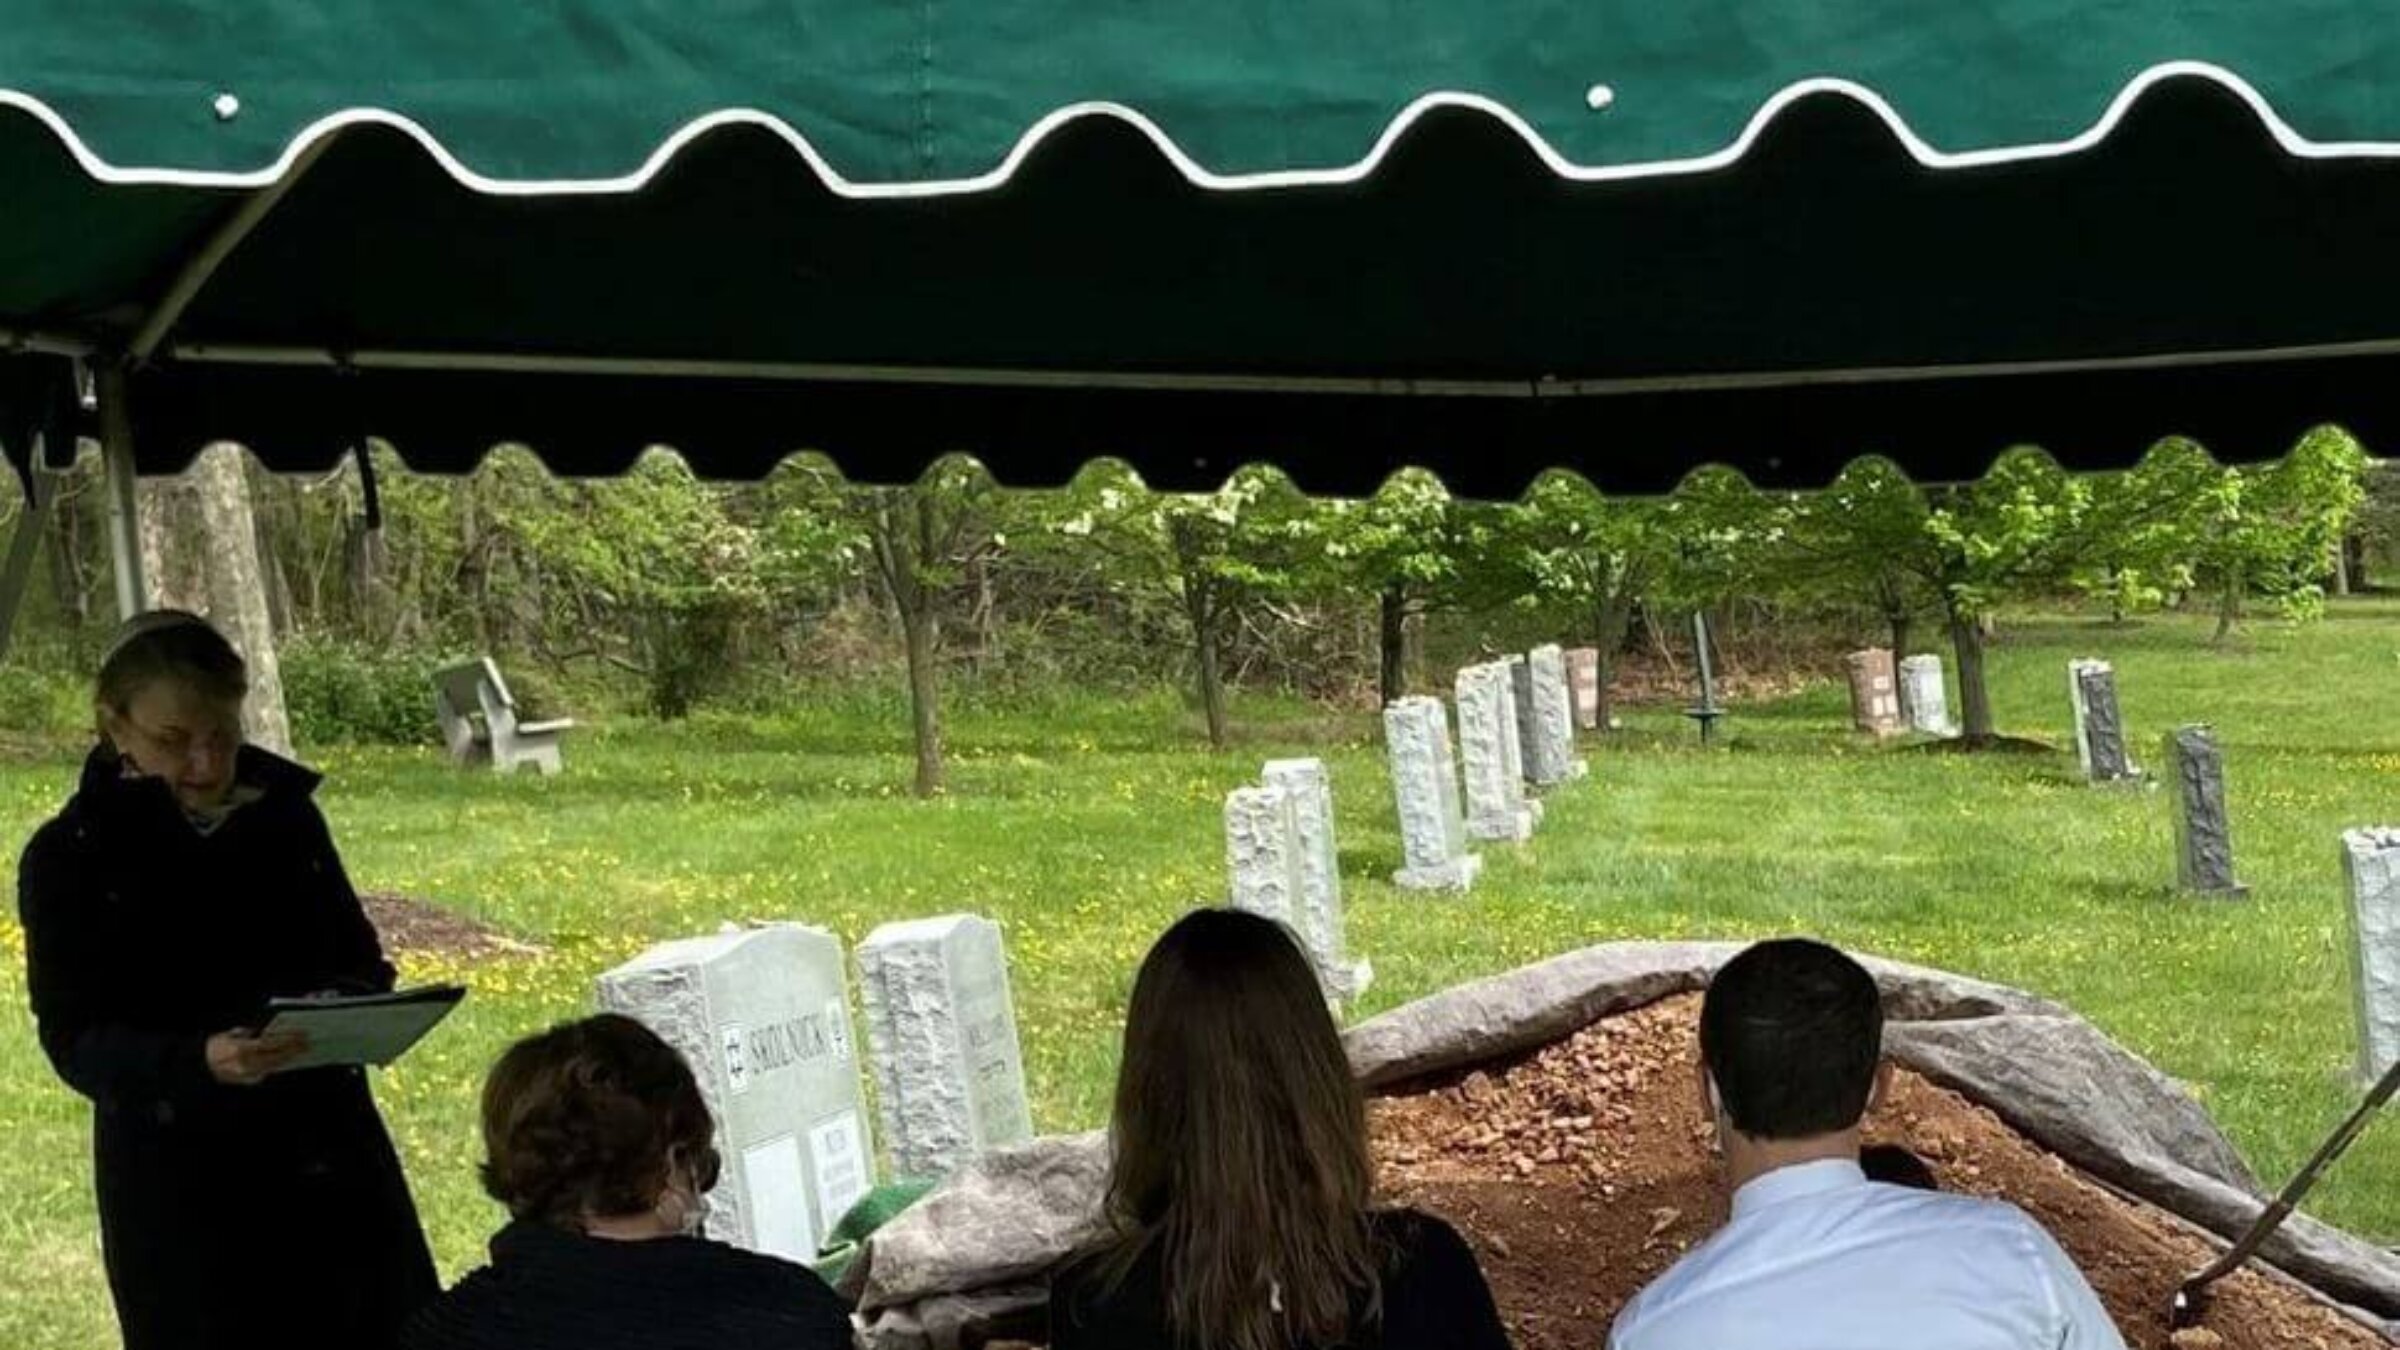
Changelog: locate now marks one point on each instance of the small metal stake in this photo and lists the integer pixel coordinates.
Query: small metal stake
(1707, 713)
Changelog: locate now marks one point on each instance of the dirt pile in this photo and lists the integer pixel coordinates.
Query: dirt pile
(1583, 1172)
(407, 924)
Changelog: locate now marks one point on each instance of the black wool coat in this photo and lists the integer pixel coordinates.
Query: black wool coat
(261, 1217)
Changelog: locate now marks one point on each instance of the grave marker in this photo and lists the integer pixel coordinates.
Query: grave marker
(1319, 923)
(1262, 853)
(1928, 698)
(2099, 725)
(1874, 692)
(1433, 840)
(763, 1018)
(1553, 717)
(2203, 837)
(2371, 862)
(942, 1036)
(1583, 678)
(1487, 732)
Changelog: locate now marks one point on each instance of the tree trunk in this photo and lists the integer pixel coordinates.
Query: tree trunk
(2354, 563)
(2341, 565)
(1394, 643)
(1200, 606)
(1900, 622)
(2229, 608)
(924, 697)
(1974, 692)
(172, 544)
(237, 590)
(69, 584)
(1612, 619)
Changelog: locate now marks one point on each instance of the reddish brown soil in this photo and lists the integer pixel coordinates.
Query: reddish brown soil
(1582, 1173)
(410, 925)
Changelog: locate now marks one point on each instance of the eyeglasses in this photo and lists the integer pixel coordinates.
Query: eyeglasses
(224, 737)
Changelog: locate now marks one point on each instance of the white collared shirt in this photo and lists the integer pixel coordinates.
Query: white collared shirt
(1817, 1257)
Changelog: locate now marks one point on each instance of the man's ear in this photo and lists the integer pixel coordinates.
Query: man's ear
(1882, 1091)
(1712, 1102)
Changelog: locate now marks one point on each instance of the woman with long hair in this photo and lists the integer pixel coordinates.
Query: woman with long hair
(1241, 1210)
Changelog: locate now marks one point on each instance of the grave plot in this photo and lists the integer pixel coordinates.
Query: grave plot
(1582, 1171)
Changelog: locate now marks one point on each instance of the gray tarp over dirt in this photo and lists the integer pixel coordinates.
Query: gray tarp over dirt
(980, 1246)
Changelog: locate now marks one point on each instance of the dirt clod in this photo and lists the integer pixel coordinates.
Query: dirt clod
(407, 924)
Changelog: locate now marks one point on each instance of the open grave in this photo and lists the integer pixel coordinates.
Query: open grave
(1582, 1171)
(1550, 1113)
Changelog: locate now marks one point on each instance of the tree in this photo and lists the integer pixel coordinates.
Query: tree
(1404, 547)
(2272, 532)
(200, 552)
(1854, 542)
(1250, 540)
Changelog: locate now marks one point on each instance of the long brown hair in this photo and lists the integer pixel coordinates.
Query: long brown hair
(1241, 1143)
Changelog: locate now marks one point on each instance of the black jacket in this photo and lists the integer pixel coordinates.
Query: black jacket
(548, 1289)
(1434, 1298)
(259, 1217)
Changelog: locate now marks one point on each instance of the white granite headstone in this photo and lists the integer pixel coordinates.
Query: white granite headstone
(1928, 698)
(763, 1017)
(2371, 861)
(1487, 732)
(1262, 853)
(1433, 841)
(1553, 718)
(1319, 920)
(942, 1037)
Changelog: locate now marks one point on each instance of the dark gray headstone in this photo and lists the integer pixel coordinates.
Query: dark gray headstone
(2099, 725)
(2203, 839)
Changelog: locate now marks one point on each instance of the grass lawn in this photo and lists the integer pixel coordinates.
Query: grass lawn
(1084, 828)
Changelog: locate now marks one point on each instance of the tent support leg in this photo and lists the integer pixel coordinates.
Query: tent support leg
(123, 506)
(18, 569)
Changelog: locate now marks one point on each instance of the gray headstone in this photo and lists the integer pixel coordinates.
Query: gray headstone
(1262, 853)
(942, 1037)
(1583, 677)
(2203, 837)
(1487, 733)
(1874, 692)
(2371, 861)
(763, 1018)
(1320, 910)
(1927, 697)
(1552, 719)
(1433, 839)
(2099, 724)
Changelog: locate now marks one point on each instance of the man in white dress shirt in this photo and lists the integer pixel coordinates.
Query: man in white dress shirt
(1815, 1256)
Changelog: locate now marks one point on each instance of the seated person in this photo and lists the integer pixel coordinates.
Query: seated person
(598, 1143)
(1241, 1196)
(1816, 1256)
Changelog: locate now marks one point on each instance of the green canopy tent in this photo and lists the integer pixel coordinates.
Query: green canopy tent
(1619, 238)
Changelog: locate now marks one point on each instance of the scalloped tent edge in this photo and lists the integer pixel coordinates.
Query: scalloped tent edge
(302, 143)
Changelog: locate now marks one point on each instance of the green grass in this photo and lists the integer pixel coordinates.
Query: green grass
(1085, 826)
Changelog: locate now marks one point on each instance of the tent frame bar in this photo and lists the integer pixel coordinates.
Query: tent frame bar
(122, 504)
(202, 266)
(17, 571)
(645, 367)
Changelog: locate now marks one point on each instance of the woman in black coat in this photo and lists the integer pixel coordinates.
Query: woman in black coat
(190, 879)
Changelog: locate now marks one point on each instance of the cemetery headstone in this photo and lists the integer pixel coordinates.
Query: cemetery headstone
(2099, 725)
(1553, 718)
(2203, 838)
(1319, 921)
(1583, 678)
(1262, 852)
(763, 1018)
(1927, 697)
(1497, 809)
(2371, 861)
(942, 1037)
(1874, 692)
(1433, 834)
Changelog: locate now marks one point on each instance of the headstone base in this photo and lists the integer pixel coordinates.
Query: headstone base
(1515, 828)
(1458, 874)
(1343, 985)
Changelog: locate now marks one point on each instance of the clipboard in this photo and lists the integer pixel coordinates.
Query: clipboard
(364, 1028)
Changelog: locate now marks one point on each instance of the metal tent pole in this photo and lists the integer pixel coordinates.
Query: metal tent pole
(123, 506)
(18, 569)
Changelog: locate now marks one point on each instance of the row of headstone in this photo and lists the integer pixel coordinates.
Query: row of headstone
(762, 1015)
(1281, 862)
(1886, 700)
(1546, 717)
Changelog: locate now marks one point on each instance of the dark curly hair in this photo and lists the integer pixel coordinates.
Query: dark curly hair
(586, 1120)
